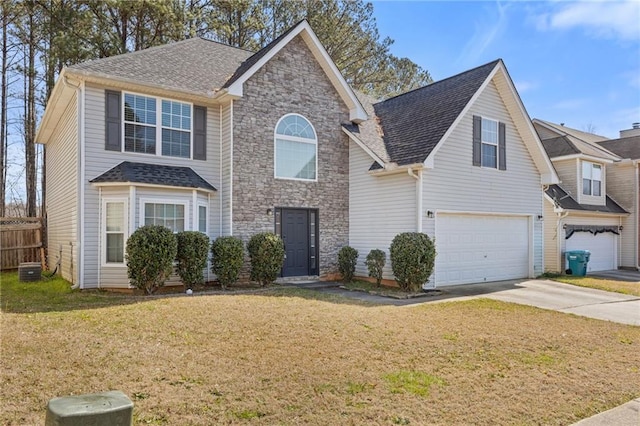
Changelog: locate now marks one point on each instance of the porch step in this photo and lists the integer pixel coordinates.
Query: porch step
(306, 282)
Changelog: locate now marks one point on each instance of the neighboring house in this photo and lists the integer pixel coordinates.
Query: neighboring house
(624, 187)
(196, 135)
(459, 160)
(581, 212)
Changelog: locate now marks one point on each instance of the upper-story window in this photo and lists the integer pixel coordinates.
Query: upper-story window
(142, 132)
(591, 179)
(489, 143)
(296, 148)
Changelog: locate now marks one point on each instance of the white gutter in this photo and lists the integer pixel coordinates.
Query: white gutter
(418, 178)
(79, 98)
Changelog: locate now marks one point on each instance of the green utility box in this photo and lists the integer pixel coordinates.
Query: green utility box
(577, 260)
(111, 408)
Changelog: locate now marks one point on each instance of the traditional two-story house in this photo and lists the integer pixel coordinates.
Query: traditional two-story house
(197, 135)
(579, 212)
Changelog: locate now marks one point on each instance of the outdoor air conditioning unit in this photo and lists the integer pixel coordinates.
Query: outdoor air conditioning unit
(30, 271)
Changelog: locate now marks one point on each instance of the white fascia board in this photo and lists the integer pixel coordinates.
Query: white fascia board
(393, 169)
(56, 106)
(357, 113)
(149, 185)
(584, 157)
(364, 147)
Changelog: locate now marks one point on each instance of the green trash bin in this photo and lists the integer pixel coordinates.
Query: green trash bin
(577, 260)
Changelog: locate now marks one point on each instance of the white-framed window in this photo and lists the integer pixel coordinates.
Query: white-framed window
(154, 125)
(296, 149)
(489, 139)
(169, 214)
(591, 179)
(203, 219)
(114, 230)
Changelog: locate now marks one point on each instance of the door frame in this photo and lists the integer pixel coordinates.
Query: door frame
(313, 235)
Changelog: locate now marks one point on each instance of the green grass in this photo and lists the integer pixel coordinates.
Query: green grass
(49, 295)
(413, 382)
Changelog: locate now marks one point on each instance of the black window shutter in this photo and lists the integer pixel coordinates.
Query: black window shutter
(502, 147)
(199, 133)
(113, 123)
(477, 140)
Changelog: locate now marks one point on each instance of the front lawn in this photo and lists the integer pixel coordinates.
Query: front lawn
(623, 287)
(290, 356)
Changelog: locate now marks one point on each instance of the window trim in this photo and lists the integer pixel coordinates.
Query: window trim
(293, 139)
(206, 224)
(150, 200)
(591, 179)
(103, 231)
(158, 126)
(483, 142)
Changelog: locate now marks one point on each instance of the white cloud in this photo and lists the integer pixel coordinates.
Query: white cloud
(570, 104)
(484, 35)
(618, 20)
(525, 86)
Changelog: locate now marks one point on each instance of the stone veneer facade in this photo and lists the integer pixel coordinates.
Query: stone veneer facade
(291, 82)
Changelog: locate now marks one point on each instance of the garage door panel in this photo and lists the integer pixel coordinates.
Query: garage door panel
(602, 247)
(481, 248)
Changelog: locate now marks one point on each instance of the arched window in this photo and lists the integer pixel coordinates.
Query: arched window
(296, 148)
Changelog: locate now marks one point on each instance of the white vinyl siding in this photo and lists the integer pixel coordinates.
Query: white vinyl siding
(379, 208)
(454, 185)
(226, 135)
(98, 160)
(62, 194)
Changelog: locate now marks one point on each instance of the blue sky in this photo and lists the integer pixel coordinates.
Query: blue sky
(576, 63)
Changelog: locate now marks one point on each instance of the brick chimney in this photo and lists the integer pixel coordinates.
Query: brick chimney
(633, 131)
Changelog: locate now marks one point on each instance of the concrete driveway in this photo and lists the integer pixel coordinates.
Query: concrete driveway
(556, 296)
(618, 275)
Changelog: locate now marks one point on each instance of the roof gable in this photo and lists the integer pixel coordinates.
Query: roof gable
(573, 142)
(562, 199)
(415, 122)
(234, 86)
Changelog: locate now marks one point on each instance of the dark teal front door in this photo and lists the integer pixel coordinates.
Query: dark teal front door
(298, 231)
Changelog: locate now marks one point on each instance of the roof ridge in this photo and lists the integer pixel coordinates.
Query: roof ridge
(494, 62)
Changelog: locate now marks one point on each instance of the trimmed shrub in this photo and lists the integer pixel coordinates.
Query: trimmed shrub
(266, 251)
(227, 257)
(193, 250)
(151, 250)
(376, 260)
(347, 258)
(412, 258)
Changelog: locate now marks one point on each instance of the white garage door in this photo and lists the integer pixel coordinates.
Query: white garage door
(474, 249)
(601, 246)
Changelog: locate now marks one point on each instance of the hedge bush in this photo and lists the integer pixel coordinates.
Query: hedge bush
(193, 250)
(151, 250)
(347, 258)
(375, 262)
(266, 251)
(412, 258)
(227, 257)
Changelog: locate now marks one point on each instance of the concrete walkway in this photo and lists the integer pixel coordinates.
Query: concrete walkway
(598, 304)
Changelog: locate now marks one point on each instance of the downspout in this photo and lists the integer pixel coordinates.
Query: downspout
(418, 178)
(80, 112)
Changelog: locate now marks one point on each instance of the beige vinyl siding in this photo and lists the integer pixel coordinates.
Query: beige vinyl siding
(379, 208)
(455, 185)
(226, 127)
(622, 187)
(98, 160)
(62, 194)
(568, 173)
(545, 133)
(552, 233)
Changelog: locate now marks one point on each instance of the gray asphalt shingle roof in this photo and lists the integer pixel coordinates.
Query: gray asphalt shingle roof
(624, 147)
(557, 147)
(154, 174)
(194, 65)
(564, 200)
(413, 123)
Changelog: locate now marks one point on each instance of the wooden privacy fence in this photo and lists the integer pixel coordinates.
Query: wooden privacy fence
(20, 241)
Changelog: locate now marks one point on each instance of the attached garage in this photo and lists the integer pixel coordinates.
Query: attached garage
(481, 248)
(602, 247)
